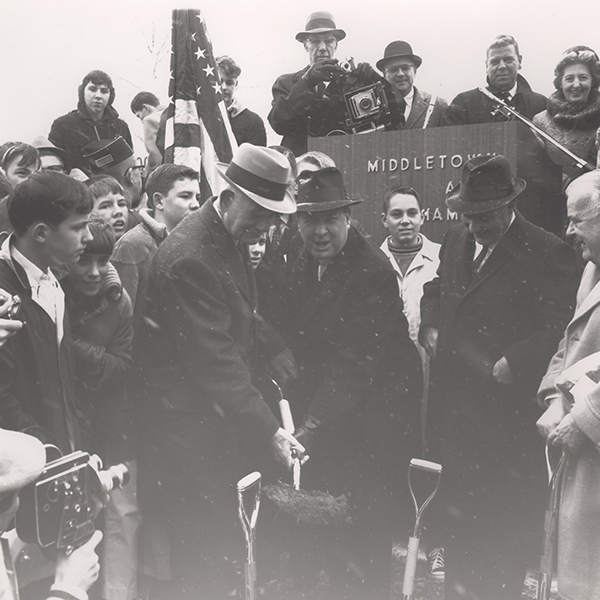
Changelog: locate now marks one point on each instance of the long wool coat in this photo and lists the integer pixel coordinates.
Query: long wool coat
(579, 517)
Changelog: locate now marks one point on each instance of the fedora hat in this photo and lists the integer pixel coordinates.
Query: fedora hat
(263, 174)
(486, 183)
(22, 459)
(103, 154)
(46, 146)
(395, 50)
(322, 190)
(320, 22)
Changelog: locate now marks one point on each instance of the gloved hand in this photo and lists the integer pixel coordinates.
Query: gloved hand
(306, 432)
(366, 73)
(320, 71)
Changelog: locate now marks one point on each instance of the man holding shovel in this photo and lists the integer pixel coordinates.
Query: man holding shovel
(356, 399)
(201, 339)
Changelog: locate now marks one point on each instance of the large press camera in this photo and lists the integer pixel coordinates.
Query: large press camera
(57, 511)
(364, 102)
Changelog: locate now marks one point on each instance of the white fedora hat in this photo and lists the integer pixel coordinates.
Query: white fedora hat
(263, 174)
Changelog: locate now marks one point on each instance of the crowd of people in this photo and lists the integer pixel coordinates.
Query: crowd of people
(153, 327)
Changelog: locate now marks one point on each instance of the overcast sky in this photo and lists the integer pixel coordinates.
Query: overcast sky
(47, 46)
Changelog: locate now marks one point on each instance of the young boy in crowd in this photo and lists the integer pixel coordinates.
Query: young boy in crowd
(416, 260)
(109, 202)
(19, 161)
(102, 329)
(173, 193)
(49, 214)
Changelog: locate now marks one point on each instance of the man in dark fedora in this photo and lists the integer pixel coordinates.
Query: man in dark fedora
(399, 67)
(356, 399)
(199, 347)
(491, 320)
(308, 103)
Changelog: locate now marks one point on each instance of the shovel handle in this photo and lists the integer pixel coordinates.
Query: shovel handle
(286, 416)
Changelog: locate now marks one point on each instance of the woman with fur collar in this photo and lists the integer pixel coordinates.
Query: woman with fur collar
(573, 114)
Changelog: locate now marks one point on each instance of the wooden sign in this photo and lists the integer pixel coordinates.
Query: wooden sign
(429, 160)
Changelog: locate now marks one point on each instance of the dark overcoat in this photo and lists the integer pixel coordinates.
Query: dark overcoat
(199, 346)
(515, 307)
(359, 371)
(360, 376)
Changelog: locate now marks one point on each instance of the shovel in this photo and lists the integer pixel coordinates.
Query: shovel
(550, 527)
(317, 508)
(248, 493)
(413, 542)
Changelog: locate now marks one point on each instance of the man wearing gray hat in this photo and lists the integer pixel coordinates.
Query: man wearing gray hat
(491, 320)
(200, 342)
(399, 67)
(307, 103)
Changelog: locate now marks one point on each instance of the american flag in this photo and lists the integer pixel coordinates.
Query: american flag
(195, 127)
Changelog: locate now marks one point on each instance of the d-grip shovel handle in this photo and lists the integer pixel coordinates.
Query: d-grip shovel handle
(288, 424)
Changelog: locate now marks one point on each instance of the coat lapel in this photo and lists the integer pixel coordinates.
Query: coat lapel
(419, 106)
(312, 294)
(589, 291)
(237, 263)
(499, 256)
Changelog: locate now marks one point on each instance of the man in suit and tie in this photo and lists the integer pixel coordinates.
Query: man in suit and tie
(201, 341)
(356, 399)
(491, 321)
(399, 67)
(571, 422)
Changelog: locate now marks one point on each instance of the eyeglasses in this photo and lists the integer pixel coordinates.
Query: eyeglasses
(397, 68)
(315, 41)
(133, 169)
(56, 169)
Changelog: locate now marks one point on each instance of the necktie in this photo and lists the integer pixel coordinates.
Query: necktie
(277, 233)
(476, 265)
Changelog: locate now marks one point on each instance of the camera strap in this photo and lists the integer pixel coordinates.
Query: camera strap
(9, 590)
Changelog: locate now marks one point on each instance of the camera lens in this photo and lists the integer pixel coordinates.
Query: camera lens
(366, 103)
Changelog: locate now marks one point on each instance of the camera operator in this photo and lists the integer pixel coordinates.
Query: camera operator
(22, 459)
(310, 102)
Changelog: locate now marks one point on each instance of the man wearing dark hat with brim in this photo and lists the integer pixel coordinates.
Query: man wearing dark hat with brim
(399, 67)
(199, 346)
(356, 399)
(307, 104)
(491, 320)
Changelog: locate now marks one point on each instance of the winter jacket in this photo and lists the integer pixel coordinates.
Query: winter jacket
(102, 329)
(574, 127)
(73, 131)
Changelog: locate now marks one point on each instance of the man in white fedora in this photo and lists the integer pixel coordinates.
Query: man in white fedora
(199, 347)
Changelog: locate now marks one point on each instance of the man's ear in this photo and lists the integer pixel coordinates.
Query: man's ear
(40, 232)
(384, 219)
(157, 200)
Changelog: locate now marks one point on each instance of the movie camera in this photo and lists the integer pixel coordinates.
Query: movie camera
(57, 511)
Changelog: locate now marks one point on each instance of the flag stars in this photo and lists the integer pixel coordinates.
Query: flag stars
(198, 91)
(209, 71)
(200, 53)
(216, 87)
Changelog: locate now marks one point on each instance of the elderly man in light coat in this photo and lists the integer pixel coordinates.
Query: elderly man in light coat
(572, 419)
